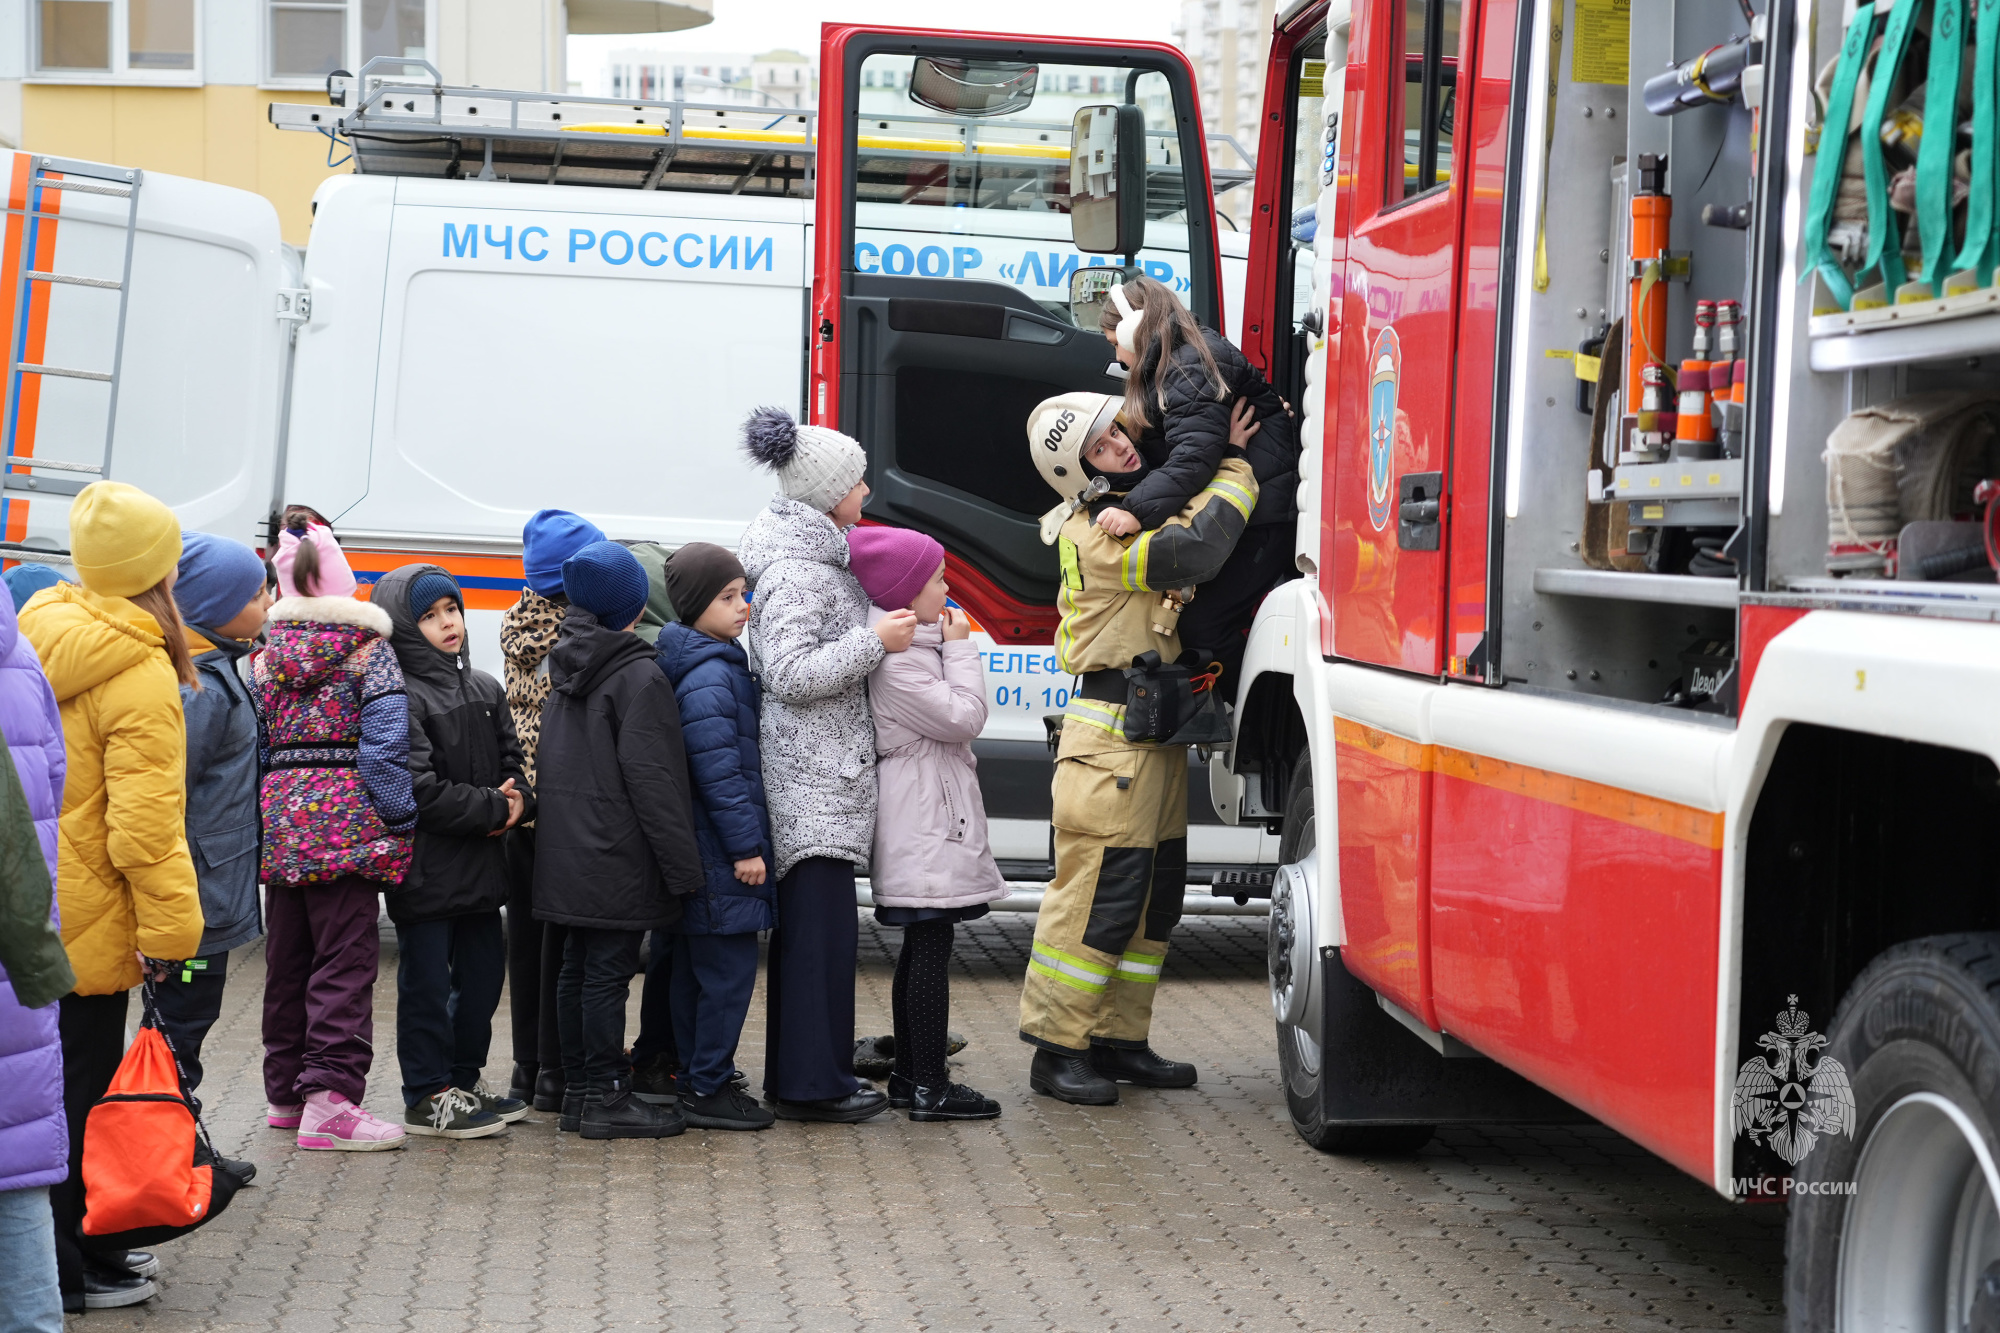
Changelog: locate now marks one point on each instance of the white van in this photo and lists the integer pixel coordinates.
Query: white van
(469, 351)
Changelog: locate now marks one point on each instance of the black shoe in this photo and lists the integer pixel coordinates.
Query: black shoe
(136, 1262)
(875, 1057)
(522, 1088)
(952, 1101)
(571, 1119)
(549, 1089)
(245, 1172)
(654, 1083)
(618, 1114)
(861, 1104)
(899, 1092)
(104, 1289)
(1069, 1078)
(1140, 1067)
(730, 1108)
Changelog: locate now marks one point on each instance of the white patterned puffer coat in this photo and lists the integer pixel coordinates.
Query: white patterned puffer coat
(812, 650)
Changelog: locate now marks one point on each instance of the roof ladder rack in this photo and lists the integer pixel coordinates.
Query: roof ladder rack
(61, 175)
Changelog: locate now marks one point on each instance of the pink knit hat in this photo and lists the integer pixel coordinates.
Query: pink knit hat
(334, 578)
(892, 564)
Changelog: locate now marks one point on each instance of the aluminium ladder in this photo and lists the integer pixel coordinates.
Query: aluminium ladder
(47, 173)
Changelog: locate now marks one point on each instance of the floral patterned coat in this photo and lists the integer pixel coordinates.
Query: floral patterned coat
(334, 745)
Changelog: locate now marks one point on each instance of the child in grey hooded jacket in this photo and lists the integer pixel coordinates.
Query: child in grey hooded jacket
(812, 647)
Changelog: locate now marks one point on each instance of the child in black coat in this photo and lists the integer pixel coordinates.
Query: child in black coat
(466, 772)
(615, 843)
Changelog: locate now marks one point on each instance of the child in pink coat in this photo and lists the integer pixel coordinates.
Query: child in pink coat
(931, 867)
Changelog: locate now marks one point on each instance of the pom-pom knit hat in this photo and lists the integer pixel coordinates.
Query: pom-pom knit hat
(606, 580)
(892, 565)
(217, 580)
(549, 538)
(121, 540)
(816, 466)
(334, 579)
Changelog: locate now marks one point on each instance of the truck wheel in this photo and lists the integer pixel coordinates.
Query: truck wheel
(1893, 1222)
(1297, 981)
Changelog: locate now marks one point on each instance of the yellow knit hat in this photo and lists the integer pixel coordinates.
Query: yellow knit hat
(121, 540)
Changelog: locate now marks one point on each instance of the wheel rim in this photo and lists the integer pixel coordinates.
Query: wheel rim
(1292, 955)
(1922, 1228)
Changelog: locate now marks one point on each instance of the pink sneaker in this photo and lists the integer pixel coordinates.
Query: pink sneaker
(331, 1123)
(283, 1117)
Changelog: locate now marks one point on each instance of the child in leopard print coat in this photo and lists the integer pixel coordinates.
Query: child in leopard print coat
(528, 630)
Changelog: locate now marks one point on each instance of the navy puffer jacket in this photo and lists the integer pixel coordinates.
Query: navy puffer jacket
(719, 709)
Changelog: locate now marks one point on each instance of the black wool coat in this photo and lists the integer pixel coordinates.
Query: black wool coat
(462, 747)
(614, 836)
(1189, 439)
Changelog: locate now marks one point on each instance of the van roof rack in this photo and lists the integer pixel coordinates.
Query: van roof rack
(406, 127)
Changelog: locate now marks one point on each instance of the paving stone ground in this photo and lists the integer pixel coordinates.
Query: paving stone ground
(1196, 1210)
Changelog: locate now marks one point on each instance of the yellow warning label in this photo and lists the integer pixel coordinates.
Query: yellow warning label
(1559, 354)
(1312, 79)
(1588, 367)
(1601, 42)
(1652, 511)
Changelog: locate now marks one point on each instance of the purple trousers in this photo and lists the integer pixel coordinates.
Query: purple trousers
(321, 950)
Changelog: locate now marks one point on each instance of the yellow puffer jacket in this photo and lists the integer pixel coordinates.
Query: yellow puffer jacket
(123, 876)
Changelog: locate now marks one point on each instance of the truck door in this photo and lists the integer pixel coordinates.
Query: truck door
(1397, 328)
(1394, 326)
(940, 292)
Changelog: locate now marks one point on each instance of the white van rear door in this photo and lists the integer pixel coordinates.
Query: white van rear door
(202, 371)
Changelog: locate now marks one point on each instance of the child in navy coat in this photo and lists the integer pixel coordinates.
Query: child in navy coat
(715, 944)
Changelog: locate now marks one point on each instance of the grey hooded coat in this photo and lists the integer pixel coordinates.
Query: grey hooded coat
(812, 650)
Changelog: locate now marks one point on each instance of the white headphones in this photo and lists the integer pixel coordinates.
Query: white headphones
(1129, 317)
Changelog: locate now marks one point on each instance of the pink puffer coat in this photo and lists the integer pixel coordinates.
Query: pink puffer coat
(930, 823)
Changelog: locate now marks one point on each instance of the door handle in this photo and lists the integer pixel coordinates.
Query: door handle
(1419, 510)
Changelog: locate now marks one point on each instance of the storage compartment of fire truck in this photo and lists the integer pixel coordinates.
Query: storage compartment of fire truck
(1711, 401)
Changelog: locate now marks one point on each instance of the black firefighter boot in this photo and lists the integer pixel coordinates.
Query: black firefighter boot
(1069, 1078)
(1138, 1065)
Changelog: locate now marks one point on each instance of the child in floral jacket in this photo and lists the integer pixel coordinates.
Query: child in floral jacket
(339, 811)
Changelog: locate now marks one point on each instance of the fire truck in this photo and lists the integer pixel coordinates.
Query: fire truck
(1629, 727)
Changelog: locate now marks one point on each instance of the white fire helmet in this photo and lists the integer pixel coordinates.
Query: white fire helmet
(1059, 430)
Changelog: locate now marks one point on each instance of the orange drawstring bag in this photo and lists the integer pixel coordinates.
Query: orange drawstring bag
(148, 1168)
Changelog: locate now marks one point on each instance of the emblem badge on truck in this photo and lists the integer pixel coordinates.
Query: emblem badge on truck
(1783, 1100)
(1387, 360)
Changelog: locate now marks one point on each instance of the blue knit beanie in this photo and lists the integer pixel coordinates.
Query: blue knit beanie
(25, 580)
(427, 588)
(217, 578)
(608, 581)
(549, 538)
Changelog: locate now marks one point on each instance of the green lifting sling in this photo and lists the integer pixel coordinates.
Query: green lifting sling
(1885, 232)
(1833, 154)
(1934, 153)
(1981, 241)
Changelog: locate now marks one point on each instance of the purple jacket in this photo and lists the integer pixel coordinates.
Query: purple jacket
(34, 1138)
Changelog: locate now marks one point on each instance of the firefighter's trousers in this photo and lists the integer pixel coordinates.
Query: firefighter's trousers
(1121, 871)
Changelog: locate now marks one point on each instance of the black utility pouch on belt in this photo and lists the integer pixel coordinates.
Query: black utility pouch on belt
(1174, 703)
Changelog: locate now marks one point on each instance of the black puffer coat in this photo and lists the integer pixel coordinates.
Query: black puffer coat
(1187, 443)
(462, 747)
(614, 837)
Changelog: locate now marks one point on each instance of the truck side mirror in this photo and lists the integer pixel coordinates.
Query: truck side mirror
(1107, 180)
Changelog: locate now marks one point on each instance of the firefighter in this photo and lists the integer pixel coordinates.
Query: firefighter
(1120, 806)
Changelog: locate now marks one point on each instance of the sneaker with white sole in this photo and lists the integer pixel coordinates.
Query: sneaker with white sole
(451, 1113)
(283, 1117)
(508, 1108)
(331, 1123)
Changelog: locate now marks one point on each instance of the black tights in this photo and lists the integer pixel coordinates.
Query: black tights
(921, 1002)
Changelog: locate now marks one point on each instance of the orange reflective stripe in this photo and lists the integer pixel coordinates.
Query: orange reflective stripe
(1683, 823)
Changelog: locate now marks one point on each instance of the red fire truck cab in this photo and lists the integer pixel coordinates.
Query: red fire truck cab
(1629, 728)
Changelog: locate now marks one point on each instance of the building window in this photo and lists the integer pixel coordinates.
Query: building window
(306, 40)
(122, 40)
